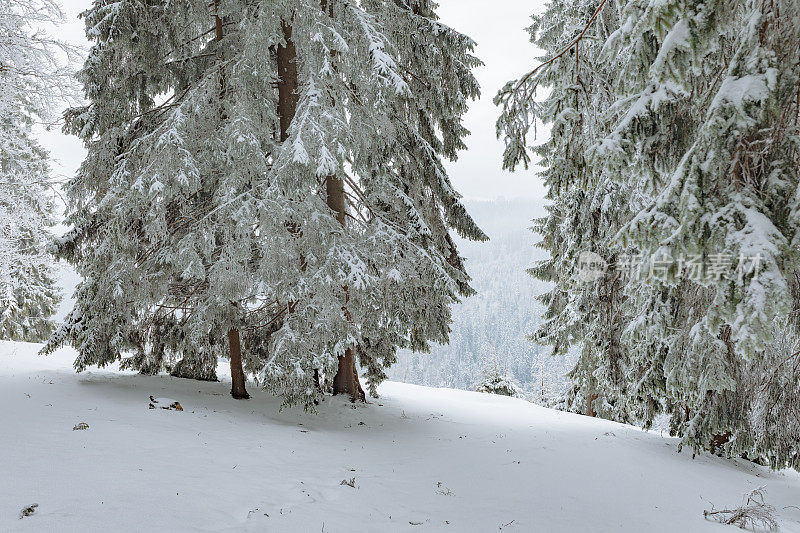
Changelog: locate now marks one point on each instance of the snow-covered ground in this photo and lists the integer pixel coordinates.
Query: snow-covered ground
(422, 459)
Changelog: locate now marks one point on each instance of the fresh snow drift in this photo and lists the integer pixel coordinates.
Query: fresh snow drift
(420, 459)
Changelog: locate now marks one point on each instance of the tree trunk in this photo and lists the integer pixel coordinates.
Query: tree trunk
(346, 379)
(590, 404)
(238, 390)
(287, 81)
(334, 188)
(718, 441)
(286, 57)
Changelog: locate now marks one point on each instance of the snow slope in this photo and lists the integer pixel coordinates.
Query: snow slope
(423, 460)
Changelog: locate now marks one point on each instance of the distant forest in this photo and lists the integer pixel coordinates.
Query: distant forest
(492, 327)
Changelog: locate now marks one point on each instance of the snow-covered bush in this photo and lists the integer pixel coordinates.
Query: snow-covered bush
(494, 380)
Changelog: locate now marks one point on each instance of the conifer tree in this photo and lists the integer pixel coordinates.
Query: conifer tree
(284, 181)
(674, 157)
(32, 78)
(494, 380)
(585, 204)
(28, 295)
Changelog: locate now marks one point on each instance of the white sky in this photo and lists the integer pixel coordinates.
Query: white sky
(503, 46)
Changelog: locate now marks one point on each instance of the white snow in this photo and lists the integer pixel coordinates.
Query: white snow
(442, 459)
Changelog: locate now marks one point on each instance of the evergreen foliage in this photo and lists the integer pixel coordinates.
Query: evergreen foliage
(32, 78)
(204, 204)
(674, 156)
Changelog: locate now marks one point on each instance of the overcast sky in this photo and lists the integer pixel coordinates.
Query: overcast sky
(497, 27)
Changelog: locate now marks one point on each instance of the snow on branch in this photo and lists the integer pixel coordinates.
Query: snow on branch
(517, 99)
(383, 63)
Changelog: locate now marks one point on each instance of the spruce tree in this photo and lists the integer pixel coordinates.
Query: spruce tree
(494, 380)
(28, 295)
(33, 77)
(585, 207)
(284, 181)
(674, 157)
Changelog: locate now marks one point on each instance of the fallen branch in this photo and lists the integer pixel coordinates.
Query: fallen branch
(753, 512)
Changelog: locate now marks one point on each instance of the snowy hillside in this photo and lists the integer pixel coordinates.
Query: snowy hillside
(419, 459)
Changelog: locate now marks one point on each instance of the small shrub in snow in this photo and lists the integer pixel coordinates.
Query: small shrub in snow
(165, 403)
(495, 381)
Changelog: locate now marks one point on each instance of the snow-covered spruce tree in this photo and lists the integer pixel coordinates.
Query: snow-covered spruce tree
(493, 380)
(699, 131)
(32, 78)
(370, 148)
(272, 168)
(586, 205)
(165, 252)
(28, 295)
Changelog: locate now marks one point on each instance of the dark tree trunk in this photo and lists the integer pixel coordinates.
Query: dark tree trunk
(590, 404)
(286, 57)
(717, 443)
(287, 81)
(334, 187)
(346, 379)
(238, 389)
